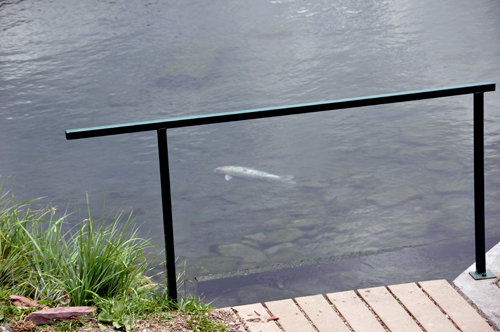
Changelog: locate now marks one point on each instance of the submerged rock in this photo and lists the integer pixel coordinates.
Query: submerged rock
(273, 250)
(212, 265)
(253, 240)
(190, 68)
(341, 194)
(255, 237)
(307, 223)
(246, 253)
(285, 253)
(284, 235)
(275, 223)
(395, 196)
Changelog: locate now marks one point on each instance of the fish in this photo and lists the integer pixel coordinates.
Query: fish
(249, 173)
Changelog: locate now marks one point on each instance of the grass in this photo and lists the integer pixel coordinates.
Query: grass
(98, 262)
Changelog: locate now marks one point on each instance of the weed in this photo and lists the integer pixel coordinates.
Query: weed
(201, 323)
(69, 325)
(192, 304)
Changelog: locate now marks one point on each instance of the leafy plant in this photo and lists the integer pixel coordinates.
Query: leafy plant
(192, 304)
(117, 313)
(197, 315)
(69, 325)
(121, 311)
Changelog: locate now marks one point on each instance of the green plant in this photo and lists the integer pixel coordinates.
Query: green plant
(14, 243)
(69, 325)
(197, 315)
(202, 323)
(193, 305)
(121, 311)
(95, 260)
(99, 261)
(118, 313)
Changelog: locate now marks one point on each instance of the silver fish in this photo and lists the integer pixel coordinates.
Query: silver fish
(249, 173)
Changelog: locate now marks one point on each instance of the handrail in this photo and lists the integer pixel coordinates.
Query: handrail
(161, 127)
(198, 120)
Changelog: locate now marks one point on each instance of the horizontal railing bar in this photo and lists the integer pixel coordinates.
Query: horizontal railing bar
(277, 111)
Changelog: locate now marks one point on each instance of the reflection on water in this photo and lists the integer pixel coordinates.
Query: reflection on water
(367, 180)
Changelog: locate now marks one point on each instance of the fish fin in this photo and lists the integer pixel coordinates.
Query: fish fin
(288, 179)
(228, 177)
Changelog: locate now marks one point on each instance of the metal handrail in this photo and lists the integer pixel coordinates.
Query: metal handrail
(161, 126)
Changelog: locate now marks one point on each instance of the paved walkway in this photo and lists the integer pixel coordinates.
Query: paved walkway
(485, 294)
(432, 306)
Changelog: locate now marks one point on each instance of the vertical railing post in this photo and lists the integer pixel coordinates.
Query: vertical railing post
(479, 218)
(479, 182)
(166, 201)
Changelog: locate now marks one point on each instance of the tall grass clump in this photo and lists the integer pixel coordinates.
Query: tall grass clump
(98, 261)
(47, 259)
(91, 260)
(15, 248)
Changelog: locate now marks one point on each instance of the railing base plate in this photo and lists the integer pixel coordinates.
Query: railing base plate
(478, 276)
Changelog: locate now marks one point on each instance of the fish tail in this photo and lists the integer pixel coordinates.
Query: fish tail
(288, 179)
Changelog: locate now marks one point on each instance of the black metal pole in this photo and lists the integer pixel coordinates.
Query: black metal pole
(168, 227)
(479, 183)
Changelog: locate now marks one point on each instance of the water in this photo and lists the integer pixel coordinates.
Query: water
(372, 184)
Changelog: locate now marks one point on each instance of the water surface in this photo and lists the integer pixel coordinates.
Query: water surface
(370, 181)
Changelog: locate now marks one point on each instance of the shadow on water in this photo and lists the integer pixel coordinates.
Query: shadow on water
(442, 260)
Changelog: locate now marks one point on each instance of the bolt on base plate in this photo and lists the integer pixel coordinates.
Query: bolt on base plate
(479, 276)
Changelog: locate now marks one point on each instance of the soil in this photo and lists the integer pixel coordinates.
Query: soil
(176, 324)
